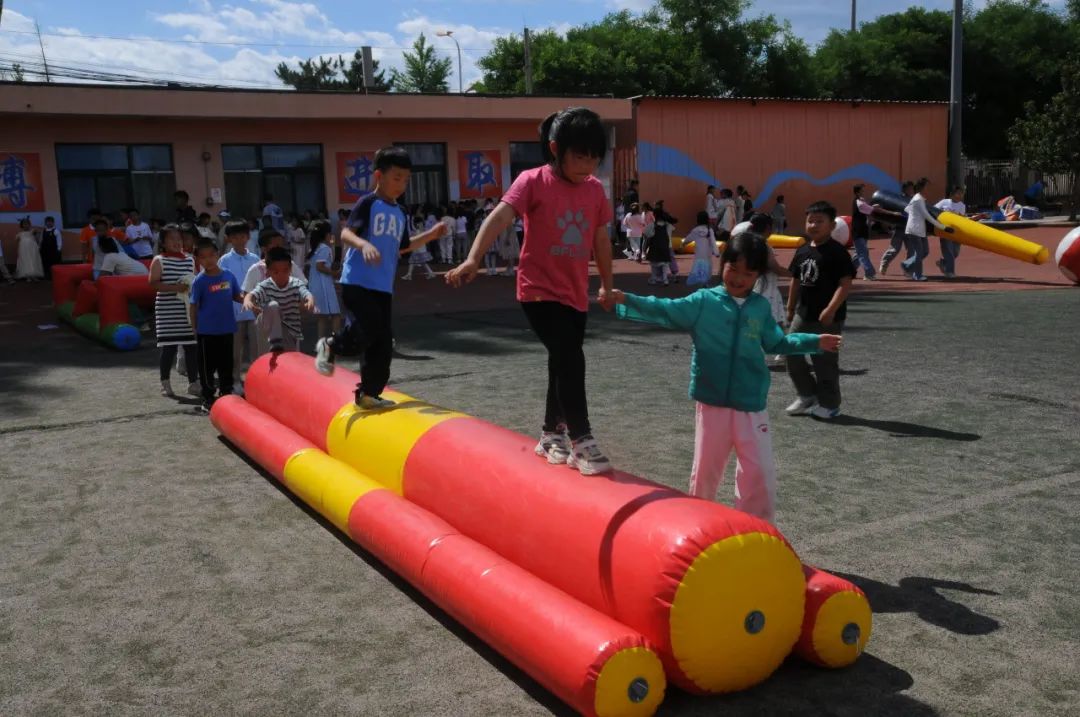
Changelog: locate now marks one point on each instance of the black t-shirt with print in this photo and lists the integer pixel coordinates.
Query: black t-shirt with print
(820, 270)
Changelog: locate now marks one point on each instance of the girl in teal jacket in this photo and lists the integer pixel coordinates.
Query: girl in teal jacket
(732, 329)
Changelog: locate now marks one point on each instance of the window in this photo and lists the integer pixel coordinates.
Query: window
(292, 173)
(523, 156)
(113, 177)
(427, 185)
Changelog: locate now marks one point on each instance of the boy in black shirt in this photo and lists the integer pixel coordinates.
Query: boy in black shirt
(821, 274)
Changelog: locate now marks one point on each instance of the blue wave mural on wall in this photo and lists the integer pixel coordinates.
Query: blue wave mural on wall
(661, 159)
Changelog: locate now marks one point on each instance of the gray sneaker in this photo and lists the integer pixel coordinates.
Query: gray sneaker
(324, 357)
(553, 446)
(801, 406)
(586, 456)
(370, 402)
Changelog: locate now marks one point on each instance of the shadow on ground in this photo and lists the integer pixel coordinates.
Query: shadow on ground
(921, 597)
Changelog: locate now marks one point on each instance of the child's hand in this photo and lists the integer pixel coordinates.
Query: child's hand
(370, 253)
(950, 230)
(309, 304)
(250, 305)
(610, 297)
(462, 274)
(830, 342)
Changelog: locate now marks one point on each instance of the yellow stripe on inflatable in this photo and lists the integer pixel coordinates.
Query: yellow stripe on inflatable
(378, 441)
(630, 684)
(327, 485)
(993, 240)
(737, 612)
(842, 628)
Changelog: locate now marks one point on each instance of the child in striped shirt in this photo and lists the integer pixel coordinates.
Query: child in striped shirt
(277, 300)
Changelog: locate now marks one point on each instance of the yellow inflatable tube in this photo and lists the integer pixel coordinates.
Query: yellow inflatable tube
(776, 241)
(980, 236)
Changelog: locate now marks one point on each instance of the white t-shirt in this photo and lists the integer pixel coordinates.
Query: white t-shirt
(258, 272)
(948, 205)
(140, 238)
(704, 242)
(841, 232)
(120, 264)
(712, 206)
(740, 228)
(461, 225)
(727, 213)
(634, 224)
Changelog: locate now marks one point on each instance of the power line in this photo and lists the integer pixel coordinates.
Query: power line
(224, 43)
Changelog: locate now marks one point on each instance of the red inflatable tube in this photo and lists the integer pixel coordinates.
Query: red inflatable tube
(837, 621)
(620, 544)
(86, 299)
(114, 294)
(592, 662)
(66, 279)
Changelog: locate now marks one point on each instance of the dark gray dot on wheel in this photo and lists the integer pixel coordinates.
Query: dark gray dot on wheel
(638, 690)
(755, 622)
(850, 634)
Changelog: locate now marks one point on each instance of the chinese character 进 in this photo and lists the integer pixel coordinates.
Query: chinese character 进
(13, 181)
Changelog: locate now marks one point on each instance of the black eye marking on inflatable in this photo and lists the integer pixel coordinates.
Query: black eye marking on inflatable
(850, 634)
(638, 690)
(754, 622)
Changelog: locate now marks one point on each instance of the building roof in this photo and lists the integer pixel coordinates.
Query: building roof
(824, 100)
(77, 99)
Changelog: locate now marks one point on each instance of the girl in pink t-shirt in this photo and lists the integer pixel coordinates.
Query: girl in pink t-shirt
(566, 216)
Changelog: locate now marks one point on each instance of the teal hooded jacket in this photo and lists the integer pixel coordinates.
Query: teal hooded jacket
(727, 366)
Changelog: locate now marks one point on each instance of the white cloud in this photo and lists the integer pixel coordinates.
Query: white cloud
(243, 44)
(631, 5)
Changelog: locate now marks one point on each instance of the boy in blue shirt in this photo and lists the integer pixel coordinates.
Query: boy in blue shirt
(212, 295)
(377, 231)
(732, 329)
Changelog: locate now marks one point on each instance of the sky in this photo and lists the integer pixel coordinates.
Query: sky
(240, 42)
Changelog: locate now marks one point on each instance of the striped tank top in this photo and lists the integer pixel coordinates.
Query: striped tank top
(170, 310)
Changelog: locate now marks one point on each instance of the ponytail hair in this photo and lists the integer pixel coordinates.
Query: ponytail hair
(319, 232)
(576, 128)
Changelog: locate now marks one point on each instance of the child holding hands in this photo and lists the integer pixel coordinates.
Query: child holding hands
(732, 329)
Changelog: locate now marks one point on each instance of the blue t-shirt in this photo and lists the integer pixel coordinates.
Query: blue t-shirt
(384, 225)
(238, 265)
(213, 297)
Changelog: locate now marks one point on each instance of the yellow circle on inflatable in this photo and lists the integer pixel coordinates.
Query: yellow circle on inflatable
(842, 628)
(630, 684)
(737, 612)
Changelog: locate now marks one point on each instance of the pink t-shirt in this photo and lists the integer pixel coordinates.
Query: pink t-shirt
(561, 219)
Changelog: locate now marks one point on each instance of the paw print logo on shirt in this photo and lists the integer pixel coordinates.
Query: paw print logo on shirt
(573, 226)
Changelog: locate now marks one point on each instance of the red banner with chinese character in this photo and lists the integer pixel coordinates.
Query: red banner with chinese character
(21, 188)
(480, 173)
(355, 175)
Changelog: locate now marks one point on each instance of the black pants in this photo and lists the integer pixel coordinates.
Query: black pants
(368, 333)
(562, 331)
(168, 358)
(215, 357)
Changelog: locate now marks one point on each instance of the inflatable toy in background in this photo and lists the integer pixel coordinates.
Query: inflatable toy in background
(101, 309)
(972, 233)
(1067, 256)
(602, 589)
(842, 232)
(776, 241)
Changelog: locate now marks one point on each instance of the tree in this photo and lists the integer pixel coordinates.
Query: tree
(424, 72)
(332, 74)
(903, 56)
(1047, 137)
(1013, 53)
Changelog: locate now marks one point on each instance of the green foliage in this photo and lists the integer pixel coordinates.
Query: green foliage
(424, 72)
(332, 74)
(1047, 137)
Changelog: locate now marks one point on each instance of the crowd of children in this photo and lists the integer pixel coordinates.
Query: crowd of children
(215, 311)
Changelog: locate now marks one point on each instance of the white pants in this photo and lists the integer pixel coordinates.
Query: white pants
(718, 430)
(446, 248)
(271, 329)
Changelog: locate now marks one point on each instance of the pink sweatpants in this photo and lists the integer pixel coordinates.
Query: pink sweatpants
(718, 430)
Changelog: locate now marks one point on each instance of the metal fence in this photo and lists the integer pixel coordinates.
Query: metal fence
(988, 181)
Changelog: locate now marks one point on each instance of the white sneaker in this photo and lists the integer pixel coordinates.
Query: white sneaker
(586, 456)
(194, 389)
(324, 357)
(824, 413)
(166, 389)
(369, 402)
(554, 446)
(801, 406)
(406, 277)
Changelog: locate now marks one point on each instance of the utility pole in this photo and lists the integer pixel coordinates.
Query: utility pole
(853, 2)
(956, 97)
(528, 63)
(42, 46)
